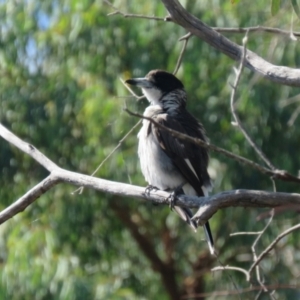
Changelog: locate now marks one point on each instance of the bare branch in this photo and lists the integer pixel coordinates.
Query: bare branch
(245, 233)
(289, 101)
(27, 199)
(272, 245)
(118, 146)
(294, 116)
(179, 61)
(131, 91)
(237, 120)
(80, 190)
(28, 148)
(185, 37)
(279, 74)
(255, 29)
(232, 269)
(210, 205)
(254, 252)
(126, 15)
(276, 174)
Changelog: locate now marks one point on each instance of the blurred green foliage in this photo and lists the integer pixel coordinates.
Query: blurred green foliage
(60, 65)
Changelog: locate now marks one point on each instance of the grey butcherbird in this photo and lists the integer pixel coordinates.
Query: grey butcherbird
(167, 162)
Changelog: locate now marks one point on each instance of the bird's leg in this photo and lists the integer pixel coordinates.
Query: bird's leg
(177, 191)
(150, 188)
(184, 213)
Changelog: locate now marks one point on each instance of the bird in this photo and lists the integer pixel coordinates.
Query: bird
(167, 162)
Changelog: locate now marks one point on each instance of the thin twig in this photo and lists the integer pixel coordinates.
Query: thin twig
(245, 233)
(126, 15)
(185, 37)
(258, 294)
(237, 121)
(80, 189)
(232, 269)
(272, 245)
(131, 91)
(277, 174)
(118, 146)
(289, 101)
(294, 116)
(179, 61)
(258, 277)
(292, 34)
(255, 29)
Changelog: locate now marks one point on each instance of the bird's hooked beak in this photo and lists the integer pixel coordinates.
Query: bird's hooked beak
(143, 83)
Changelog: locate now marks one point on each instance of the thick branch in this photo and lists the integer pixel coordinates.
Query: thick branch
(27, 199)
(28, 148)
(254, 62)
(208, 205)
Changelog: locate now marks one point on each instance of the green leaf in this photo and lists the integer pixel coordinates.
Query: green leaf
(275, 7)
(296, 7)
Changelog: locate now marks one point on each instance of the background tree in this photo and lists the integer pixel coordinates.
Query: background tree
(60, 90)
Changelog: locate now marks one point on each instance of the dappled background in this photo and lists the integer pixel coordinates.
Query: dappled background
(60, 89)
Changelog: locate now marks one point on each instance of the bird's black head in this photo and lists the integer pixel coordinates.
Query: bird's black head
(164, 81)
(156, 84)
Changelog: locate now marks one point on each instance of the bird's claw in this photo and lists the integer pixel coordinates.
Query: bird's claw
(149, 189)
(171, 199)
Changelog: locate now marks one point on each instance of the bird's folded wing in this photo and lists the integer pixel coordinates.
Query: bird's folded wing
(183, 153)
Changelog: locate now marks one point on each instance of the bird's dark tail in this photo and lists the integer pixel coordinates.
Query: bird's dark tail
(186, 215)
(209, 237)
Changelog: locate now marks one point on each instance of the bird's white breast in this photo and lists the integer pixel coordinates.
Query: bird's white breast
(153, 95)
(156, 166)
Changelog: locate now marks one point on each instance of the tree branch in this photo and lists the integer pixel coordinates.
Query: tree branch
(27, 199)
(256, 29)
(221, 268)
(276, 174)
(272, 245)
(209, 205)
(28, 148)
(278, 74)
(185, 40)
(126, 15)
(237, 122)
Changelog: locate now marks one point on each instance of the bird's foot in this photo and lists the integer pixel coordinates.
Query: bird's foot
(150, 188)
(171, 200)
(172, 197)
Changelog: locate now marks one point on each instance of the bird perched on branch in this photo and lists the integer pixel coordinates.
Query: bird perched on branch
(167, 162)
